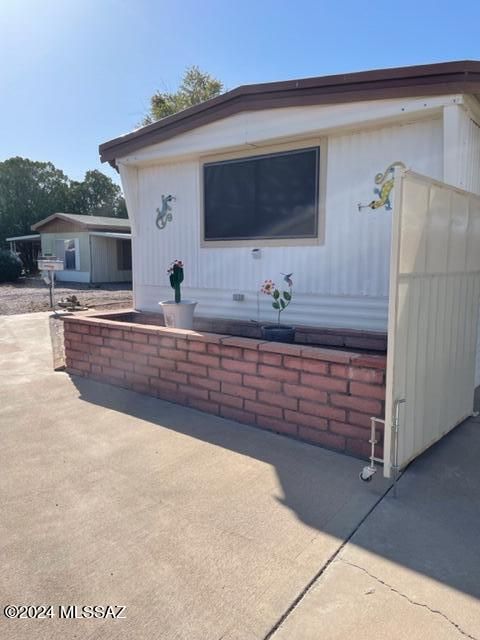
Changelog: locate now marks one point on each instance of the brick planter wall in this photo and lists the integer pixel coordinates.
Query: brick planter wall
(322, 396)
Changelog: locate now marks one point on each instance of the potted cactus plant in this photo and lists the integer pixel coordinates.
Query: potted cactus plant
(177, 313)
(281, 298)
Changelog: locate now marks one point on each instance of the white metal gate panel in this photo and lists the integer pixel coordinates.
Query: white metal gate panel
(433, 313)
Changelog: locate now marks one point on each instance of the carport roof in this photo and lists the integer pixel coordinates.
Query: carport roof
(380, 84)
(87, 221)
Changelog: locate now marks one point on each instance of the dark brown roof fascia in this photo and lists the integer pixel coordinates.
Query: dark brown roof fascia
(381, 84)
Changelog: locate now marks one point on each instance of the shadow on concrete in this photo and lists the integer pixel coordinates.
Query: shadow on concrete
(432, 527)
(321, 487)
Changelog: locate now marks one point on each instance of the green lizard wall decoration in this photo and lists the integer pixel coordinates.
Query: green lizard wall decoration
(385, 179)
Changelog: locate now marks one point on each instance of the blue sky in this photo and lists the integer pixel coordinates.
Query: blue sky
(74, 73)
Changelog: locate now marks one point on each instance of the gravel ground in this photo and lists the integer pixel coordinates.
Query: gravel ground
(31, 294)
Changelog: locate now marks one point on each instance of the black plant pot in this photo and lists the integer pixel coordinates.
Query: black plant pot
(278, 333)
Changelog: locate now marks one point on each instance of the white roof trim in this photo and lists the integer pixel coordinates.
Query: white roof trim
(30, 237)
(111, 234)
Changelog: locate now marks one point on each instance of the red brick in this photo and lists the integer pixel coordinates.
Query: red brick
(238, 415)
(81, 365)
(74, 371)
(236, 390)
(163, 385)
(146, 370)
(349, 430)
(360, 419)
(251, 356)
(173, 376)
(196, 347)
(364, 405)
(135, 336)
(361, 448)
(204, 383)
(121, 364)
(367, 390)
(322, 410)
(282, 349)
(93, 339)
(328, 355)
(323, 438)
(120, 345)
(193, 392)
(373, 376)
(206, 359)
(161, 341)
(107, 352)
(264, 384)
(161, 363)
(84, 347)
(78, 328)
(278, 426)
(113, 373)
(225, 351)
(112, 334)
(183, 344)
(225, 376)
(147, 349)
(273, 359)
(373, 361)
(78, 355)
(193, 369)
(276, 373)
(96, 369)
(324, 382)
(263, 409)
(243, 343)
(239, 365)
(94, 331)
(305, 393)
(226, 400)
(278, 400)
(306, 420)
(136, 378)
(302, 364)
(204, 405)
(172, 354)
(133, 356)
(99, 360)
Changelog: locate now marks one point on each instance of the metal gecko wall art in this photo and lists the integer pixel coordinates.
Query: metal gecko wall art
(164, 214)
(386, 180)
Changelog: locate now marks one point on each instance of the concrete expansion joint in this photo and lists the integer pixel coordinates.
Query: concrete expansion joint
(413, 602)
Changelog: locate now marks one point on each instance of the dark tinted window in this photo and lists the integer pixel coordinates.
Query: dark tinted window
(270, 196)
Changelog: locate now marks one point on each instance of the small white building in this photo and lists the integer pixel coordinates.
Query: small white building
(266, 179)
(94, 249)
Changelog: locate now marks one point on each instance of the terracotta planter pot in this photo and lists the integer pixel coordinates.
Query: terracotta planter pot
(178, 315)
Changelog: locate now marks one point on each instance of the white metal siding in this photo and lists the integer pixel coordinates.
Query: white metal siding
(341, 283)
(434, 296)
(470, 172)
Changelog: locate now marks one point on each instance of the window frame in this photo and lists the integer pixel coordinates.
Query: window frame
(253, 151)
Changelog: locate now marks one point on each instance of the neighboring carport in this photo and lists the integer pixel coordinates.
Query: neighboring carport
(110, 256)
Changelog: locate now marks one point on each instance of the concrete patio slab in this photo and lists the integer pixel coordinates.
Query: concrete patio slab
(411, 570)
(201, 527)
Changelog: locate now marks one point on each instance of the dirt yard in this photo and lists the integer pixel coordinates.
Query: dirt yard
(32, 294)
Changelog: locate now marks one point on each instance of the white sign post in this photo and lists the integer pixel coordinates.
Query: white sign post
(50, 264)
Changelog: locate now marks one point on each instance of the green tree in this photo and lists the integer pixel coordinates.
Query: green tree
(196, 86)
(96, 195)
(31, 191)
